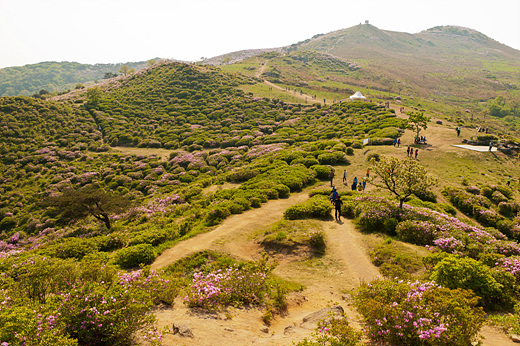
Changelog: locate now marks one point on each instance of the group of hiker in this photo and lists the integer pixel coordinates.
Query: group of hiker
(410, 152)
(356, 185)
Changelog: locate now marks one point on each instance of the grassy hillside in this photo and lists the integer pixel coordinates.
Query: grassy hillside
(443, 62)
(54, 76)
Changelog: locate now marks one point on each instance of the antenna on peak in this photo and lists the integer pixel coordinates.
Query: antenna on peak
(366, 22)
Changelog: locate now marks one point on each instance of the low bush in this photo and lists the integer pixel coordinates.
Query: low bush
(509, 208)
(334, 331)
(134, 256)
(317, 206)
(217, 213)
(322, 172)
(417, 232)
(466, 273)
(415, 313)
(334, 158)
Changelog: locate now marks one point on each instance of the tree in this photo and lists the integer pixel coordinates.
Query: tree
(75, 204)
(94, 96)
(401, 177)
(109, 75)
(126, 70)
(417, 121)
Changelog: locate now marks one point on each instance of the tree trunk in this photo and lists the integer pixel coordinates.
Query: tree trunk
(401, 203)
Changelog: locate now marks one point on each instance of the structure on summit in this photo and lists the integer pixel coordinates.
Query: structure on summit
(357, 96)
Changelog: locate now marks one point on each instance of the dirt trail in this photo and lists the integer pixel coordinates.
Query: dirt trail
(302, 96)
(234, 226)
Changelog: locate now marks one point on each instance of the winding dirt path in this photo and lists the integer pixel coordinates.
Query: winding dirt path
(234, 226)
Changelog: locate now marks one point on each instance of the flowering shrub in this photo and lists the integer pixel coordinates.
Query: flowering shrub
(487, 217)
(415, 313)
(237, 284)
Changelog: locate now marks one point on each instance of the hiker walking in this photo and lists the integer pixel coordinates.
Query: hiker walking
(508, 181)
(337, 208)
(408, 151)
(490, 145)
(364, 183)
(344, 176)
(398, 142)
(395, 141)
(368, 172)
(416, 152)
(354, 183)
(334, 194)
(331, 176)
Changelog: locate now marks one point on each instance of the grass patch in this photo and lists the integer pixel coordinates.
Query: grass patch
(394, 259)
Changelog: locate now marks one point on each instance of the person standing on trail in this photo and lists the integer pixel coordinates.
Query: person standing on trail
(354, 183)
(344, 176)
(490, 145)
(508, 181)
(334, 194)
(364, 183)
(337, 208)
(395, 141)
(408, 151)
(331, 176)
(398, 142)
(416, 152)
(368, 172)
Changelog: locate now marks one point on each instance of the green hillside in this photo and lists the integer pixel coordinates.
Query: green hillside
(55, 76)
(442, 62)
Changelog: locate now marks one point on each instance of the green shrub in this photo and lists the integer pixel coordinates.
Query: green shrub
(333, 331)
(134, 256)
(306, 161)
(426, 195)
(373, 156)
(509, 208)
(217, 213)
(466, 273)
(317, 241)
(283, 190)
(334, 158)
(153, 237)
(417, 232)
(350, 151)
(322, 172)
(315, 207)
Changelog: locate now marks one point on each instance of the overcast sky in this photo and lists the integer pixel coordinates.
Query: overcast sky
(112, 31)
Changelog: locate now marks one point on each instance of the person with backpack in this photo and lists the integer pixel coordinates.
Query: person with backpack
(354, 183)
(337, 208)
(334, 194)
(331, 176)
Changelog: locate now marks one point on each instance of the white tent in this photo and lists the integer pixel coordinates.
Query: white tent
(358, 96)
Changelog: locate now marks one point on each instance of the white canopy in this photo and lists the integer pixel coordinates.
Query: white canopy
(358, 96)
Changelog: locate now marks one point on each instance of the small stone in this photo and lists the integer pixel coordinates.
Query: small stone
(515, 338)
(264, 330)
(288, 329)
(227, 329)
(182, 330)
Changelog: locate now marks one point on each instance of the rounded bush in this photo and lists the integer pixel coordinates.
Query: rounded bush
(416, 232)
(322, 172)
(283, 190)
(133, 256)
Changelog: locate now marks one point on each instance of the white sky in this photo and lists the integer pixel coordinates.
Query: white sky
(113, 31)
